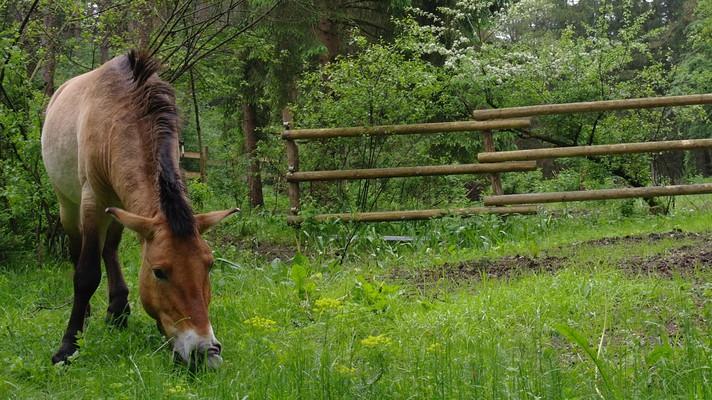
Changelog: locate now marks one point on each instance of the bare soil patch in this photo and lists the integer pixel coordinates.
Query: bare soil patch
(478, 269)
(680, 260)
(648, 238)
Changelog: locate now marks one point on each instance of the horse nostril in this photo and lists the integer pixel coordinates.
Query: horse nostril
(214, 350)
(213, 359)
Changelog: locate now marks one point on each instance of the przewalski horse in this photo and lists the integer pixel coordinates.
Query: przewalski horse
(109, 145)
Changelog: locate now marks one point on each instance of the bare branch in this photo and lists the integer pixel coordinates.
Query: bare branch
(197, 56)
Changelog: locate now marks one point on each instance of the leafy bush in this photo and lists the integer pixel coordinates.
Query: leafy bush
(380, 84)
(28, 210)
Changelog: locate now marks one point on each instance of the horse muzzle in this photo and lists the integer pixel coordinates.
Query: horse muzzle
(195, 350)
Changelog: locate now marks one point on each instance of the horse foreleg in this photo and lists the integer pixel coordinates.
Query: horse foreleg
(118, 310)
(86, 277)
(69, 217)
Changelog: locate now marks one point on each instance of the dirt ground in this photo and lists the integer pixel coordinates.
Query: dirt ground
(679, 260)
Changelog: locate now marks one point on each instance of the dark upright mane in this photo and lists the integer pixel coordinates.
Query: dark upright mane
(156, 102)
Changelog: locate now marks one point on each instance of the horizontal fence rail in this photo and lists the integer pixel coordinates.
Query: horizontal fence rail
(591, 106)
(381, 130)
(428, 170)
(596, 150)
(384, 216)
(601, 194)
(192, 155)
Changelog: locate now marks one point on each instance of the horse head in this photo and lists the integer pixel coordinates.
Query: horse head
(174, 282)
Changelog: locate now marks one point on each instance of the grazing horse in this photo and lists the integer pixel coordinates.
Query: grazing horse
(110, 145)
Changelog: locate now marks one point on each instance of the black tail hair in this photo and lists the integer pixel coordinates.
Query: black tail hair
(156, 100)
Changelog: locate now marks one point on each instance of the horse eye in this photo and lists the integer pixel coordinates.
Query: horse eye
(159, 274)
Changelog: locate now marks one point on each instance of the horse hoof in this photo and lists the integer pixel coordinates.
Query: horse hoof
(64, 354)
(120, 318)
(118, 321)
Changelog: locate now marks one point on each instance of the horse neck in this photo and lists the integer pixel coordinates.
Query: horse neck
(134, 178)
(138, 195)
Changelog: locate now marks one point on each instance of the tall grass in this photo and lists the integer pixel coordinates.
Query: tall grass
(332, 326)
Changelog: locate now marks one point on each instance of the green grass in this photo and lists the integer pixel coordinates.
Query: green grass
(589, 330)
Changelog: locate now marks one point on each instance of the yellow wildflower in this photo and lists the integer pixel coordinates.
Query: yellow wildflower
(376, 341)
(327, 304)
(435, 348)
(260, 323)
(177, 389)
(344, 370)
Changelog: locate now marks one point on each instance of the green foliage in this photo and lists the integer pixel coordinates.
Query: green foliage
(28, 213)
(303, 282)
(577, 338)
(627, 207)
(431, 64)
(199, 193)
(377, 296)
(381, 84)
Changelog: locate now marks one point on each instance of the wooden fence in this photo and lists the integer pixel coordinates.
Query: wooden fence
(295, 176)
(202, 157)
(492, 162)
(500, 199)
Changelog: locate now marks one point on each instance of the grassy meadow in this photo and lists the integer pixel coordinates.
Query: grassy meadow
(583, 305)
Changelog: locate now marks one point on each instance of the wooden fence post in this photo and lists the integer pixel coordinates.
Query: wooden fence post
(494, 178)
(292, 167)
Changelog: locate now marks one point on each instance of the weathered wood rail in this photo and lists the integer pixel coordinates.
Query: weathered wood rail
(410, 129)
(428, 170)
(600, 194)
(595, 150)
(203, 162)
(384, 216)
(592, 106)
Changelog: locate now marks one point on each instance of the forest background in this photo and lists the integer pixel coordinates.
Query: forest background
(242, 67)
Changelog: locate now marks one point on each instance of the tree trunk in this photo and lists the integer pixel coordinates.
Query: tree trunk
(254, 180)
(50, 64)
(327, 33)
(104, 35)
(203, 161)
(142, 27)
(104, 50)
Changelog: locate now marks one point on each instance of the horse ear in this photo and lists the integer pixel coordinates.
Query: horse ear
(141, 225)
(208, 220)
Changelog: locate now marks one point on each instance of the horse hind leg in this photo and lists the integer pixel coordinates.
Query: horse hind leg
(118, 311)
